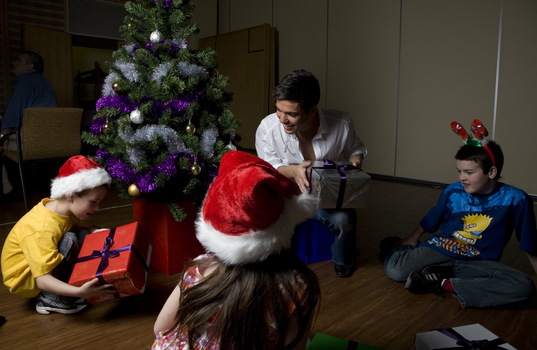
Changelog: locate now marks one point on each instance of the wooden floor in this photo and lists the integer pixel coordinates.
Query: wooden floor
(367, 308)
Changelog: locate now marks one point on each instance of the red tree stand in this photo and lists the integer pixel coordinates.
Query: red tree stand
(174, 243)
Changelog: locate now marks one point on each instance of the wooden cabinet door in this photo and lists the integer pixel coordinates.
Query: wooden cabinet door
(246, 57)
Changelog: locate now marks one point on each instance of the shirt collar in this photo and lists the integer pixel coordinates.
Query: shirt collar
(323, 127)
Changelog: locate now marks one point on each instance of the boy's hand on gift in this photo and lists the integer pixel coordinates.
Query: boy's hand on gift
(94, 289)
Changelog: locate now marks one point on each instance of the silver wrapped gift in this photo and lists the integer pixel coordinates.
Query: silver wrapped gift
(338, 184)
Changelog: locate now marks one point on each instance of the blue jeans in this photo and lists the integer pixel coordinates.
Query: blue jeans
(342, 222)
(477, 283)
(68, 247)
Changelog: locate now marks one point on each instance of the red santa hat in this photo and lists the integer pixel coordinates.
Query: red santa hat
(250, 210)
(76, 175)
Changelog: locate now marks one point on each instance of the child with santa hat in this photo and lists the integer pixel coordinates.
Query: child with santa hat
(40, 251)
(249, 291)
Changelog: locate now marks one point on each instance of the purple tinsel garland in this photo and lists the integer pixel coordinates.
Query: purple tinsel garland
(165, 3)
(173, 48)
(123, 104)
(145, 183)
(97, 125)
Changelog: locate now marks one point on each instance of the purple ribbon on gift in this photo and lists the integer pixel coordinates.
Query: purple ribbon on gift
(106, 254)
(470, 344)
(328, 164)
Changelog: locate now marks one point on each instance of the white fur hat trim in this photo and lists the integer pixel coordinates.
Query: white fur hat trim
(257, 245)
(78, 182)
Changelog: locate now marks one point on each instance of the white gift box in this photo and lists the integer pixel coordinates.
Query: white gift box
(346, 187)
(436, 340)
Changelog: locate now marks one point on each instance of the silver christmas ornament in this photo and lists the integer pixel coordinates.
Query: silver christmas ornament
(156, 36)
(137, 117)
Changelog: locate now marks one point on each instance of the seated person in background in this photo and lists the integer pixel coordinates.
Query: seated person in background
(40, 251)
(476, 217)
(250, 291)
(32, 90)
(300, 132)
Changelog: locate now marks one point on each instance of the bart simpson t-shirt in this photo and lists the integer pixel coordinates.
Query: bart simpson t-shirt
(480, 226)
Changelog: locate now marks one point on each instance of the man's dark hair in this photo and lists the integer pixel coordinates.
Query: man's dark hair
(482, 157)
(299, 86)
(35, 59)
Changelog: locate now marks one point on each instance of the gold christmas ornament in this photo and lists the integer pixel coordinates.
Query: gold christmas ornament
(134, 191)
(195, 169)
(115, 85)
(106, 127)
(190, 128)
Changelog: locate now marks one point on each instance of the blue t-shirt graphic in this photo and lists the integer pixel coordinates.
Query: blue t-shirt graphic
(480, 226)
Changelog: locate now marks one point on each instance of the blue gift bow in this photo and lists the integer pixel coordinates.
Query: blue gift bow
(106, 254)
(470, 344)
(328, 164)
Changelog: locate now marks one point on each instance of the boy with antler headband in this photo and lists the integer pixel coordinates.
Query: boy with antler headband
(475, 218)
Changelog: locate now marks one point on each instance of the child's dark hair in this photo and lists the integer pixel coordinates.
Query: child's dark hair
(299, 86)
(239, 298)
(482, 158)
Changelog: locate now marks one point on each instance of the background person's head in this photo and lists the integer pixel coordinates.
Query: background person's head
(299, 86)
(26, 62)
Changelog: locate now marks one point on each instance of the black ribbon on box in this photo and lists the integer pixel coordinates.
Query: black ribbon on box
(328, 164)
(470, 344)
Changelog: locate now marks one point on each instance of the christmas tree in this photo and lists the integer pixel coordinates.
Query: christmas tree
(162, 124)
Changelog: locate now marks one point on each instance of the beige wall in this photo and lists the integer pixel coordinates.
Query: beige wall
(406, 69)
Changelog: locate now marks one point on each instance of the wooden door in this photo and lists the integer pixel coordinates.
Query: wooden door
(56, 49)
(246, 57)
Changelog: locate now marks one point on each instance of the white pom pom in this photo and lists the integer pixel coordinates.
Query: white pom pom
(137, 117)
(156, 36)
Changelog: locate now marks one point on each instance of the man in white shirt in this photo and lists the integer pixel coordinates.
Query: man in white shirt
(300, 132)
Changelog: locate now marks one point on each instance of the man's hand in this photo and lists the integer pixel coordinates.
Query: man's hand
(297, 173)
(300, 175)
(356, 160)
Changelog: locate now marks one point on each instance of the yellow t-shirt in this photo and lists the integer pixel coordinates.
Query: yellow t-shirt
(31, 248)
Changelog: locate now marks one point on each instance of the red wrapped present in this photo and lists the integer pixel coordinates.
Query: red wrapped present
(119, 256)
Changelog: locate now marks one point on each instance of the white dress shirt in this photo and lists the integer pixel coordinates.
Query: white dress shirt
(335, 137)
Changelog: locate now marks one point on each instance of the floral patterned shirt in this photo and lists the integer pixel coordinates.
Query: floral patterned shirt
(209, 339)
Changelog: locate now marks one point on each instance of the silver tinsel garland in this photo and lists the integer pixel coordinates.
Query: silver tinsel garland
(148, 133)
(107, 86)
(161, 71)
(208, 139)
(128, 70)
(190, 70)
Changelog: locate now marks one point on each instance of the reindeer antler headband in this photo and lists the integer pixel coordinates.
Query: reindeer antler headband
(478, 139)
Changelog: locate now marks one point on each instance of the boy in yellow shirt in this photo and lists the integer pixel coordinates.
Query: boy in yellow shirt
(40, 251)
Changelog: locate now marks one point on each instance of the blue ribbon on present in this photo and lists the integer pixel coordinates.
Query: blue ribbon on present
(328, 164)
(470, 344)
(106, 254)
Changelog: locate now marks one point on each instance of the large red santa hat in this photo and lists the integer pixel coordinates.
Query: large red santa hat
(250, 210)
(76, 175)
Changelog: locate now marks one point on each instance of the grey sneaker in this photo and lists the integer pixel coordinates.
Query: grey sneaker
(65, 306)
